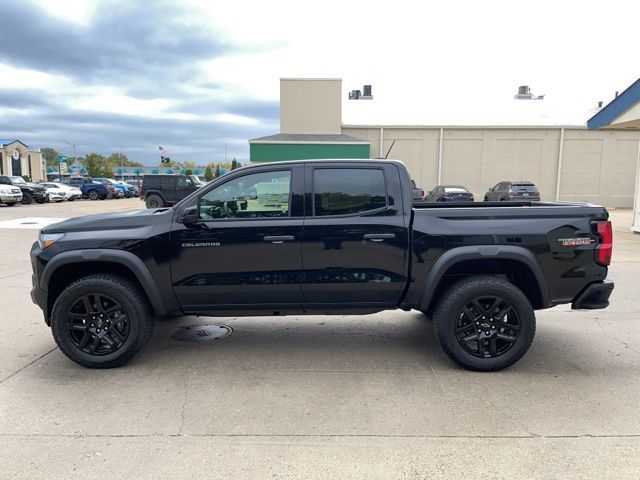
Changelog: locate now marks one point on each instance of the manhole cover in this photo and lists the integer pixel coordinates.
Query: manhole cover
(201, 333)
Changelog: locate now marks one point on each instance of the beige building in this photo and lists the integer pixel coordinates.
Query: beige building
(622, 114)
(16, 158)
(568, 162)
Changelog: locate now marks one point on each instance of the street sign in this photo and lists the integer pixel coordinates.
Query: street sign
(61, 158)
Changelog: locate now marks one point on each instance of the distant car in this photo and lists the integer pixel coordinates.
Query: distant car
(449, 193)
(30, 191)
(129, 190)
(137, 184)
(114, 190)
(417, 193)
(161, 190)
(60, 191)
(522, 190)
(90, 189)
(9, 195)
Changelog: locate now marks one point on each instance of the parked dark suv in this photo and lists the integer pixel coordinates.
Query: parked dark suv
(505, 191)
(161, 190)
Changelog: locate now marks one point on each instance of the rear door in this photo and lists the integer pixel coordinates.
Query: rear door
(355, 236)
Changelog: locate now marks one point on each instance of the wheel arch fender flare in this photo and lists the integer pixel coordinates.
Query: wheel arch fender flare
(127, 259)
(482, 252)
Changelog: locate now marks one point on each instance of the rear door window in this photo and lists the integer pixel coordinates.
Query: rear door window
(344, 191)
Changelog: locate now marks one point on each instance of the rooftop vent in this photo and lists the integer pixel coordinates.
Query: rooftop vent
(364, 94)
(524, 93)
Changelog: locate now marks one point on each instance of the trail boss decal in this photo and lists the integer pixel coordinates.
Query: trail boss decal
(200, 244)
(572, 242)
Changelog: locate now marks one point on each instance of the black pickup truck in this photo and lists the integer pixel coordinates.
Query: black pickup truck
(321, 236)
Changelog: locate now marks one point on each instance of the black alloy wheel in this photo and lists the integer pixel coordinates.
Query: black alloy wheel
(484, 322)
(101, 320)
(487, 326)
(97, 324)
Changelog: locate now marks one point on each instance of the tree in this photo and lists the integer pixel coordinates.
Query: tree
(234, 164)
(189, 165)
(208, 173)
(50, 155)
(217, 174)
(188, 171)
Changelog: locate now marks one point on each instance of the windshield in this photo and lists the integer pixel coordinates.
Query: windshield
(454, 190)
(17, 180)
(196, 181)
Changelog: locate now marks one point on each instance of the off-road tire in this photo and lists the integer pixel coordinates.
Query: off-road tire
(154, 201)
(448, 310)
(27, 198)
(134, 303)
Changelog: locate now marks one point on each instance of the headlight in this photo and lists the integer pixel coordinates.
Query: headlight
(47, 239)
(5, 191)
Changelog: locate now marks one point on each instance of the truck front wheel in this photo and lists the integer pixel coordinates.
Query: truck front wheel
(101, 321)
(484, 323)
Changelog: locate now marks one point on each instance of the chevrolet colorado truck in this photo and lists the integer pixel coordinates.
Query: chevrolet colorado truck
(321, 237)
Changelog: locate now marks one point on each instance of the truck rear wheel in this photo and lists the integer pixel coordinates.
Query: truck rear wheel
(484, 323)
(154, 201)
(101, 321)
(27, 198)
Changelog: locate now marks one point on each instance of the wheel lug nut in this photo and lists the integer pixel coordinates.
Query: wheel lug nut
(487, 332)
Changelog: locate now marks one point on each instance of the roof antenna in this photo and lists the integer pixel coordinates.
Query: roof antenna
(389, 151)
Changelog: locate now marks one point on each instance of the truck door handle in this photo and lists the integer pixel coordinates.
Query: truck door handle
(378, 237)
(278, 238)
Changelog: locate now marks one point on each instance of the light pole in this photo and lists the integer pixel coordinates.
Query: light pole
(75, 157)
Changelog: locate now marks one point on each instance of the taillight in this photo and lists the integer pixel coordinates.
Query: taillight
(604, 247)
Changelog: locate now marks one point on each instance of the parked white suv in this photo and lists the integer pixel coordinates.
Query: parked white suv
(10, 195)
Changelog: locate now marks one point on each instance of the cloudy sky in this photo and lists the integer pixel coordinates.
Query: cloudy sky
(196, 75)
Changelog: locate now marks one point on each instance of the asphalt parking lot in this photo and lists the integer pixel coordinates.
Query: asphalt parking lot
(319, 397)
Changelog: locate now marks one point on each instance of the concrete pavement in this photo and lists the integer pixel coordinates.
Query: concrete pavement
(320, 397)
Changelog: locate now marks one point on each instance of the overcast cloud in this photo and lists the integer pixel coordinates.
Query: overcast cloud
(195, 75)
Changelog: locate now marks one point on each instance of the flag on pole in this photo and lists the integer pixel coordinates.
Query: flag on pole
(163, 153)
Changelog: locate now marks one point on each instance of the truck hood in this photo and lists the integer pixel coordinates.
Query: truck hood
(130, 219)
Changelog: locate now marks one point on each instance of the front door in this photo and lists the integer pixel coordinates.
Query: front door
(355, 238)
(244, 252)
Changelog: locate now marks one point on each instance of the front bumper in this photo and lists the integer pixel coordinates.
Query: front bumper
(10, 197)
(594, 296)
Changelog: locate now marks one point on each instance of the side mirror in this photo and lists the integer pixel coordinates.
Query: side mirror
(190, 216)
(491, 189)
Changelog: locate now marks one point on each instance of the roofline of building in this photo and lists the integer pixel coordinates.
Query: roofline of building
(471, 127)
(310, 79)
(616, 107)
(314, 142)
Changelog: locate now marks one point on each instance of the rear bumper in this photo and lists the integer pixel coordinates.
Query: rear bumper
(594, 296)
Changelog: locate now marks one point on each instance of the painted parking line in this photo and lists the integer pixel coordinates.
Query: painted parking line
(30, 222)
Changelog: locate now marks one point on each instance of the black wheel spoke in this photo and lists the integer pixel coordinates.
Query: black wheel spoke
(87, 304)
(94, 344)
(85, 339)
(493, 347)
(471, 337)
(503, 312)
(506, 338)
(115, 333)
